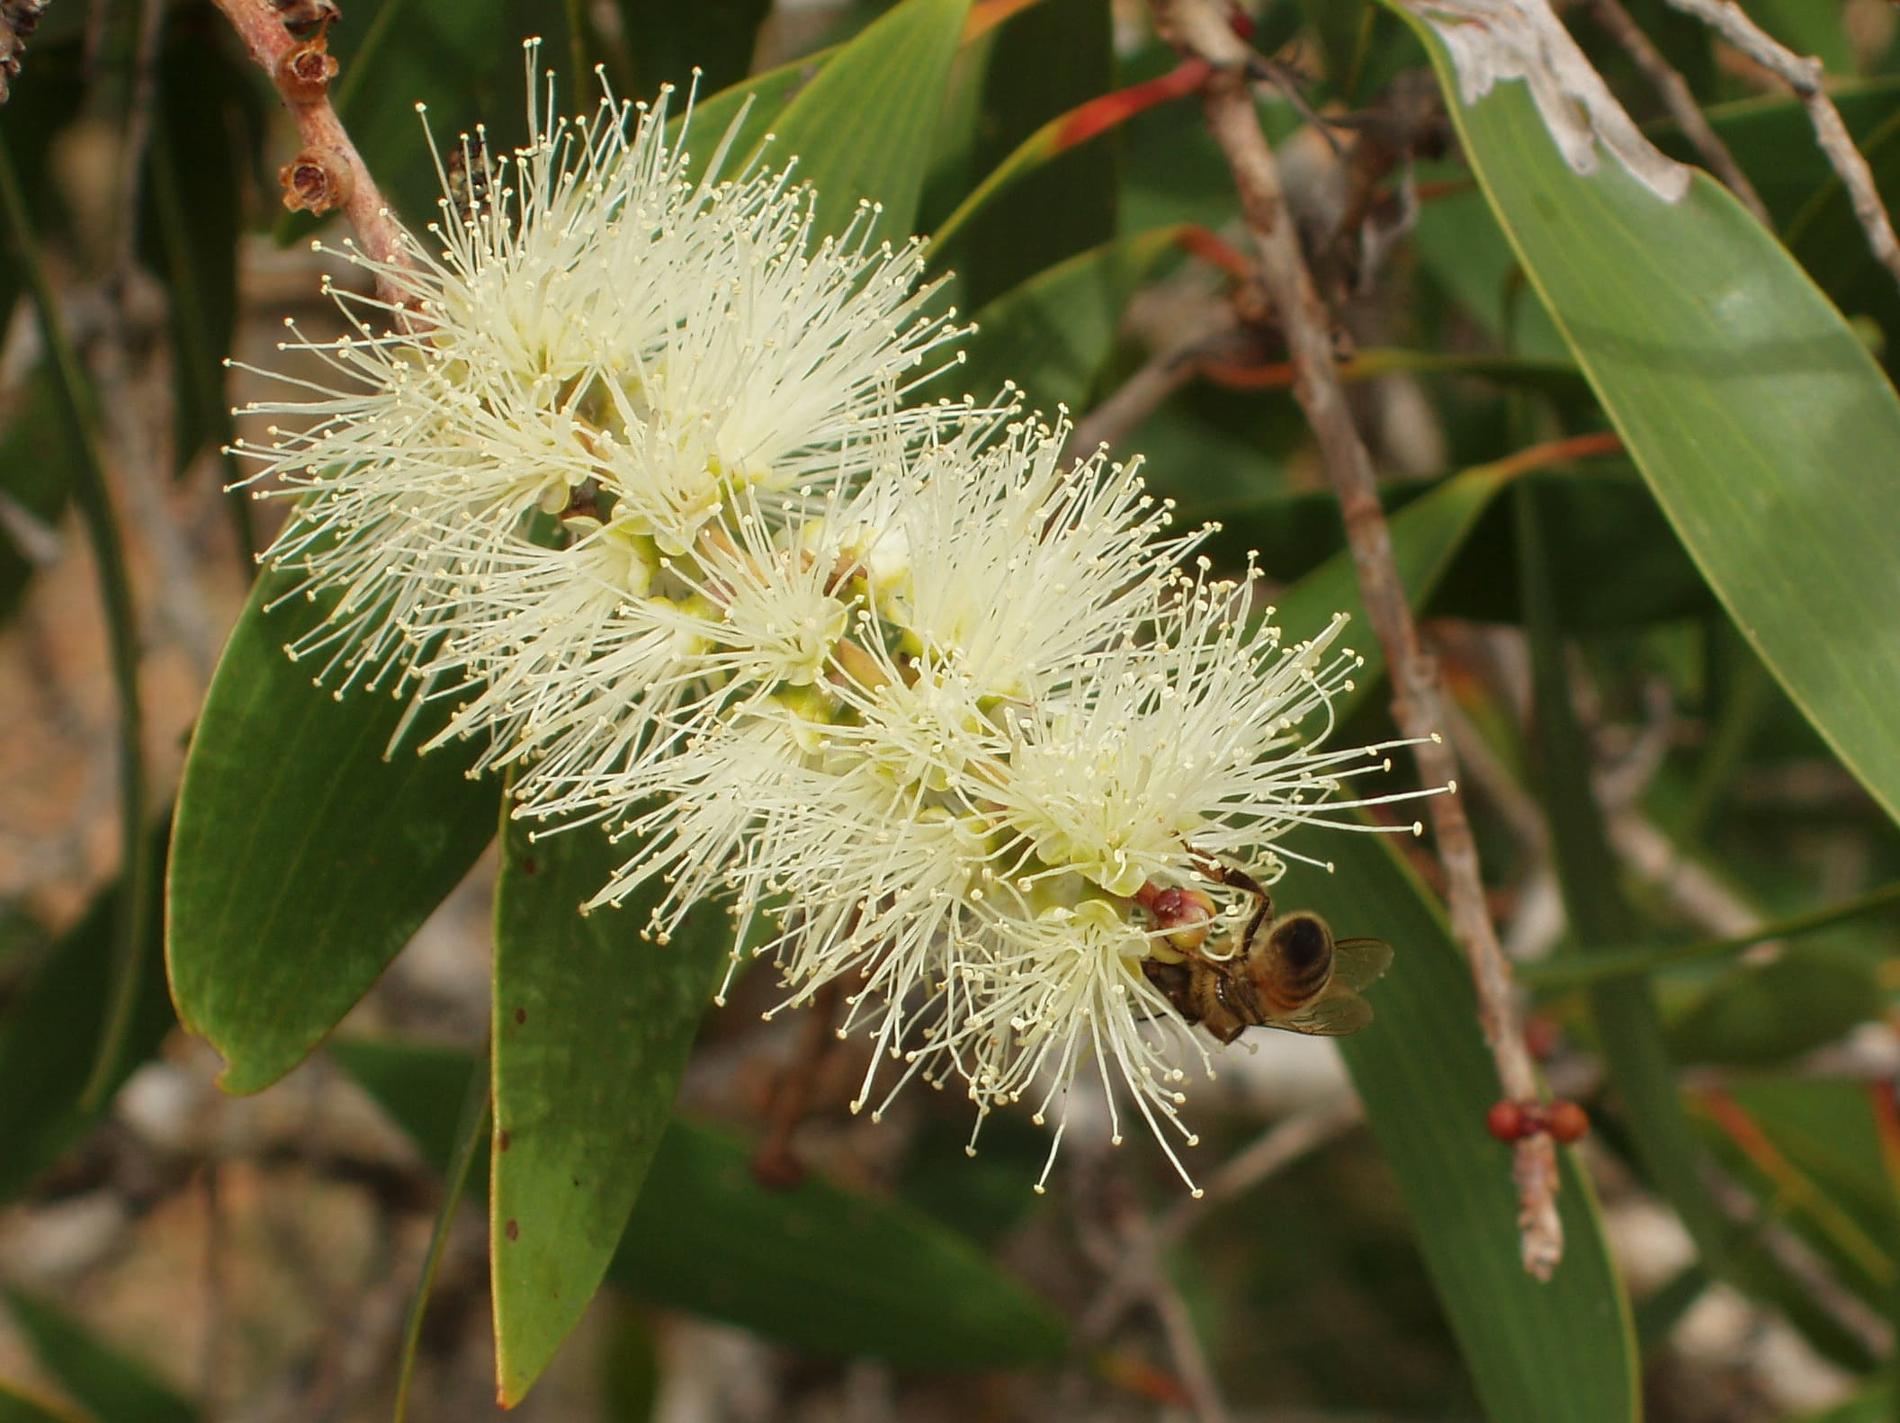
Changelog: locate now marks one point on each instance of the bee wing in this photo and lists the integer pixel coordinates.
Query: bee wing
(1340, 1010)
(1358, 962)
(1335, 1013)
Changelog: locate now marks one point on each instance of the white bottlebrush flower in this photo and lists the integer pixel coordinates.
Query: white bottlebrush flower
(1017, 564)
(579, 659)
(1024, 727)
(976, 566)
(624, 475)
(1209, 734)
(604, 339)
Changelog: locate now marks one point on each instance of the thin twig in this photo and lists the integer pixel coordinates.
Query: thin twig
(1807, 78)
(328, 173)
(1133, 401)
(1200, 28)
(1674, 91)
(1190, 1359)
(1127, 1248)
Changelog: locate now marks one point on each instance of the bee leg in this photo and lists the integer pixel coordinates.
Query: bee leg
(1232, 874)
(1240, 879)
(1225, 1028)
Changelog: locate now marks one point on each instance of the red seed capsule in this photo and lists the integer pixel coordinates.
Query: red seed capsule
(1567, 1122)
(1507, 1122)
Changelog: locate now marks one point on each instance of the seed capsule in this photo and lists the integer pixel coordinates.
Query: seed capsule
(1508, 1122)
(1567, 1122)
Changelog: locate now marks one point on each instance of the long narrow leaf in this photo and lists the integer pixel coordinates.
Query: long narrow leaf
(862, 128)
(1561, 1352)
(301, 860)
(591, 1029)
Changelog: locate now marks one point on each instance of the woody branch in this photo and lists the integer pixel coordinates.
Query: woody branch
(1198, 27)
(327, 172)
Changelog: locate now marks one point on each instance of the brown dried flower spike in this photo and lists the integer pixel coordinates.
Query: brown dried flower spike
(315, 182)
(18, 20)
(304, 73)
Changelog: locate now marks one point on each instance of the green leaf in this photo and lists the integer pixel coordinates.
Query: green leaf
(1601, 517)
(1054, 333)
(423, 1086)
(116, 1388)
(1858, 1253)
(818, 1267)
(1772, 138)
(93, 497)
(1569, 970)
(301, 859)
(1826, 1129)
(1872, 1405)
(1598, 913)
(821, 1268)
(49, 1034)
(760, 99)
(630, 1366)
(1426, 536)
(470, 1132)
(1634, 1049)
(862, 128)
(206, 127)
(35, 468)
(1339, 26)
(1743, 396)
(592, 1026)
(1807, 29)
(1604, 517)
(35, 474)
(44, 101)
(1828, 238)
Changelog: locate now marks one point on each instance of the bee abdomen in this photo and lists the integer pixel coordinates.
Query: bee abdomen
(1302, 963)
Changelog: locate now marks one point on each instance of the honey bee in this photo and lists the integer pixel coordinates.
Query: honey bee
(468, 175)
(1283, 972)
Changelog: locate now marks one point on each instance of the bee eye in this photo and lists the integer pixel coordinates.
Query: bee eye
(1304, 942)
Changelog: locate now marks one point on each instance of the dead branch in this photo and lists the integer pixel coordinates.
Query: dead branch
(328, 172)
(1200, 28)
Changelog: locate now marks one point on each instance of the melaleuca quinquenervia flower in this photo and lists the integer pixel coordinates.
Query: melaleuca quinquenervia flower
(624, 473)
(951, 740)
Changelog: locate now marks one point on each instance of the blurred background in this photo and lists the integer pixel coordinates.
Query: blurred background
(177, 1253)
